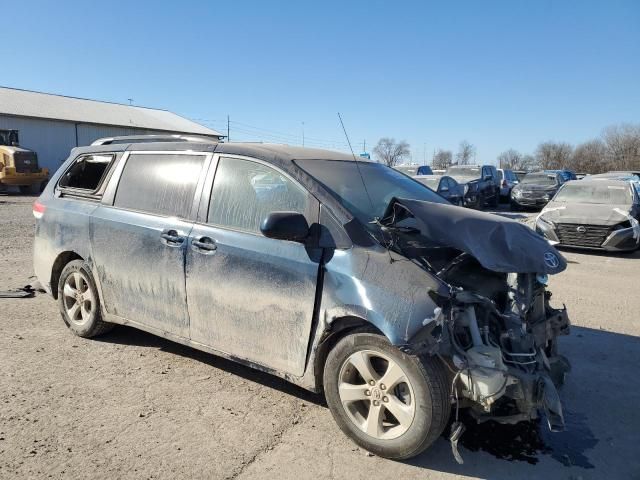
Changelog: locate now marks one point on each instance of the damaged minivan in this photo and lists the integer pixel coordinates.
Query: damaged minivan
(338, 274)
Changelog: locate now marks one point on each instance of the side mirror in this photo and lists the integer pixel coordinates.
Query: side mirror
(290, 226)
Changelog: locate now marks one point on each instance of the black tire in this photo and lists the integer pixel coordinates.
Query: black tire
(480, 201)
(92, 325)
(514, 206)
(495, 201)
(25, 189)
(428, 389)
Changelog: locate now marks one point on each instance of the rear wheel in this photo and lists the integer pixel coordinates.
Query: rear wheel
(79, 303)
(25, 189)
(390, 403)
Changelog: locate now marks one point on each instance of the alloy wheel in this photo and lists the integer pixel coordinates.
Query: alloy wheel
(376, 394)
(79, 300)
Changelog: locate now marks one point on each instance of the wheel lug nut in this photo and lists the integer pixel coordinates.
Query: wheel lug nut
(382, 387)
(367, 392)
(372, 383)
(385, 399)
(376, 403)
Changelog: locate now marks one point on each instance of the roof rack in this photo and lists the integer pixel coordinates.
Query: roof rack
(152, 139)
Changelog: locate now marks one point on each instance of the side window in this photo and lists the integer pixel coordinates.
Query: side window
(86, 173)
(245, 192)
(161, 184)
(444, 185)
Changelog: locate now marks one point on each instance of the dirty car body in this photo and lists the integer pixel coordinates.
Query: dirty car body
(185, 240)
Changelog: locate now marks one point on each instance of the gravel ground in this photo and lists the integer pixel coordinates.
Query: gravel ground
(131, 405)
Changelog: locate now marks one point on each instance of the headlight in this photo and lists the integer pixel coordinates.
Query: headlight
(546, 196)
(516, 193)
(546, 222)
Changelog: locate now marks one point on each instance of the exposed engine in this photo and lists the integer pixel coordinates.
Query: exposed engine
(505, 350)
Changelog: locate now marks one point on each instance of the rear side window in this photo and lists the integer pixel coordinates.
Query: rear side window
(86, 173)
(245, 192)
(161, 184)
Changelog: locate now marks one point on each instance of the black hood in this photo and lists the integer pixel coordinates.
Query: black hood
(498, 243)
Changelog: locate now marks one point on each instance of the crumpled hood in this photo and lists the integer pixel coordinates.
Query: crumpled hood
(498, 243)
(586, 213)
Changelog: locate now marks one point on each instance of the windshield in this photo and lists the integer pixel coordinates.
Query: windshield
(343, 180)
(540, 179)
(577, 192)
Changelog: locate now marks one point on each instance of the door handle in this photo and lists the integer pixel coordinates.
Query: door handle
(171, 238)
(204, 245)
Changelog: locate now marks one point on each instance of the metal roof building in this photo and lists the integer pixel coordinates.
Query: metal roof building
(51, 125)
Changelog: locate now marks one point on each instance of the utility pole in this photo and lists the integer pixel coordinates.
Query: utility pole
(364, 146)
(303, 134)
(424, 154)
(228, 139)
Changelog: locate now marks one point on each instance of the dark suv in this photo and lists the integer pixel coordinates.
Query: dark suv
(339, 275)
(481, 184)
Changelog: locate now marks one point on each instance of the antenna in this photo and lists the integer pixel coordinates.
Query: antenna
(355, 160)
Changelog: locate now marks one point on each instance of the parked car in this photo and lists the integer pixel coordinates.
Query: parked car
(444, 186)
(623, 175)
(413, 170)
(344, 277)
(536, 189)
(508, 180)
(566, 174)
(481, 184)
(598, 214)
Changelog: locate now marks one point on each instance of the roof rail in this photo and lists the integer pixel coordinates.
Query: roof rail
(152, 139)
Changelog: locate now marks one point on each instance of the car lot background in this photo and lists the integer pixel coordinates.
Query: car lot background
(131, 405)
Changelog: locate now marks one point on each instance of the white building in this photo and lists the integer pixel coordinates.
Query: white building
(51, 125)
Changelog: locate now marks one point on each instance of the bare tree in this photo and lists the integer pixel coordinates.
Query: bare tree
(623, 146)
(465, 153)
(510, 159)
(389, 152)
(553, 155)
(528, 163)
(442, 159)
(589, 157)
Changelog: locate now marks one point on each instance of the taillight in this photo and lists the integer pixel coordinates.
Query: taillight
(38, 209)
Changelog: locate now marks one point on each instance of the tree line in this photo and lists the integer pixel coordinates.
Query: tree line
(618, 148)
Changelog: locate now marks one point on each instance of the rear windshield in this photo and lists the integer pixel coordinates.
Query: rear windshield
(577, 192)
(344, 181)
(540, 179)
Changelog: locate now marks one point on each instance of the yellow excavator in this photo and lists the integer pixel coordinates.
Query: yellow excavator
(19, 166)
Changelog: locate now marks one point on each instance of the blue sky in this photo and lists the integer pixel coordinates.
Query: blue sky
(500, 74)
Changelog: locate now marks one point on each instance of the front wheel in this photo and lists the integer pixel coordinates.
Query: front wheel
(390, 403)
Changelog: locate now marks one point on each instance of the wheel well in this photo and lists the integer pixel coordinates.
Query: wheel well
(340, 328)
(56, 270)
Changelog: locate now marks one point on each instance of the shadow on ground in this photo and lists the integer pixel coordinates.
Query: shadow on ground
(499, 451)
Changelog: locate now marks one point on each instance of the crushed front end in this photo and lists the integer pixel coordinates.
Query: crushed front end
(496, 330)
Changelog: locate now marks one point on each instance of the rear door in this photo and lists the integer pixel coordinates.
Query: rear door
(250, 296)
(139, 237)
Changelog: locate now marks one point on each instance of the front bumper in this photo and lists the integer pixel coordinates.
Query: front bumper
(623, 240)
(529, 202)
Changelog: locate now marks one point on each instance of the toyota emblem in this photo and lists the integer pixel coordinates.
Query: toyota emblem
(551, 260)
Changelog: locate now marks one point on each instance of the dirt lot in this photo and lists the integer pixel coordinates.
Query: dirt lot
(135, 406)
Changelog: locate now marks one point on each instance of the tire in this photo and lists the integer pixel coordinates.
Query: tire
(42, 186)
(480, 201)
(495, 201)
(25, 189)
(79, 302)
(514, 206)
(408, 415)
